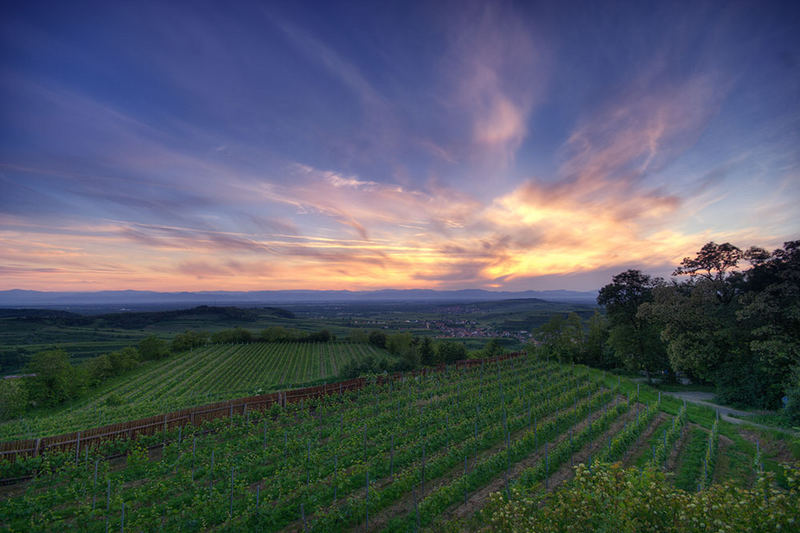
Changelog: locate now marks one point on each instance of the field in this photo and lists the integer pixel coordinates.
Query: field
(421, 452)
(204, 375)
(24, 332)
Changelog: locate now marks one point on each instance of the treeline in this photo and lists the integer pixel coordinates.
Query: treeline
(54, 380)
(568, 339)
(411, 352)
(141, 319)
(191, 339)
(15, 357)
(715, 322)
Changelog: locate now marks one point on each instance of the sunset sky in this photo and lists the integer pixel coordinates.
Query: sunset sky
(239, 146)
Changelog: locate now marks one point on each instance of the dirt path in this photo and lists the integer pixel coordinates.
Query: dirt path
(677, 448)
(722, 468)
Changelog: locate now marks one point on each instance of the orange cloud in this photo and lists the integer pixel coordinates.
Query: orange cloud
(323, 229)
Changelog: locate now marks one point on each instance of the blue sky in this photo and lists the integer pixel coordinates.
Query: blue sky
(365, 145)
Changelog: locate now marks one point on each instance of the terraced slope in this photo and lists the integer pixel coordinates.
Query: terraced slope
(204, 375)
(420, 452)
(314, 462)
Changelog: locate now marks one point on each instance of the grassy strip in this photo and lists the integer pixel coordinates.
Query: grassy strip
(647, 447)
(662, 449)
(689, 473)
(778, 419)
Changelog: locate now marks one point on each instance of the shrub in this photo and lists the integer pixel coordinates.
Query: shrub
(450, 352)
(56, 380)
(113, 400)
(13, 398)
(610, 498)
(152, 347)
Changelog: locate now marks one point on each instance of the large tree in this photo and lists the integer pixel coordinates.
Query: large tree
(427, 355)
(13, 398)
(561, 338)
(406, 346)
(737, 329)
(717, 265)
(568, 340)
(450, 351)
(123, 360)
(770, 312)
(698, 328)
(698, 322)
(634, 338)
(713, 262)
(596, 351)
(151, 347)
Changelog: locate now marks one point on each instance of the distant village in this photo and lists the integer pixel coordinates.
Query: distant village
(469, 328)
(453, 329)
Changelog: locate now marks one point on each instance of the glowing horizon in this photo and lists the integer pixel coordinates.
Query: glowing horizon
(323, 147)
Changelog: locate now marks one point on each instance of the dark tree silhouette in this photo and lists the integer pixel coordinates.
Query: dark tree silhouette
(634, 338)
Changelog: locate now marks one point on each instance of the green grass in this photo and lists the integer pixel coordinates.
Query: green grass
(653, 440)
(736, 463)
(214, 373)
(739, 466)
(771, 419)
(690, 466)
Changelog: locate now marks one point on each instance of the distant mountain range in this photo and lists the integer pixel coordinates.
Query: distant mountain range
(24, 298)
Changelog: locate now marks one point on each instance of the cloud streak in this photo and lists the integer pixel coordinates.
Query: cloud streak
(498, 72)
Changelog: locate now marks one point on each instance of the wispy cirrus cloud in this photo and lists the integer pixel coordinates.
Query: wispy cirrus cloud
(497, 71)
(641, 130)
(226, 269)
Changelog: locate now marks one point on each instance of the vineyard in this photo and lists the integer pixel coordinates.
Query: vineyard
(411, 453)
(205, 375)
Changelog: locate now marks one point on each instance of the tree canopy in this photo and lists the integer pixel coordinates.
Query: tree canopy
(634, 338)
(55, 379)
(729, 317)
